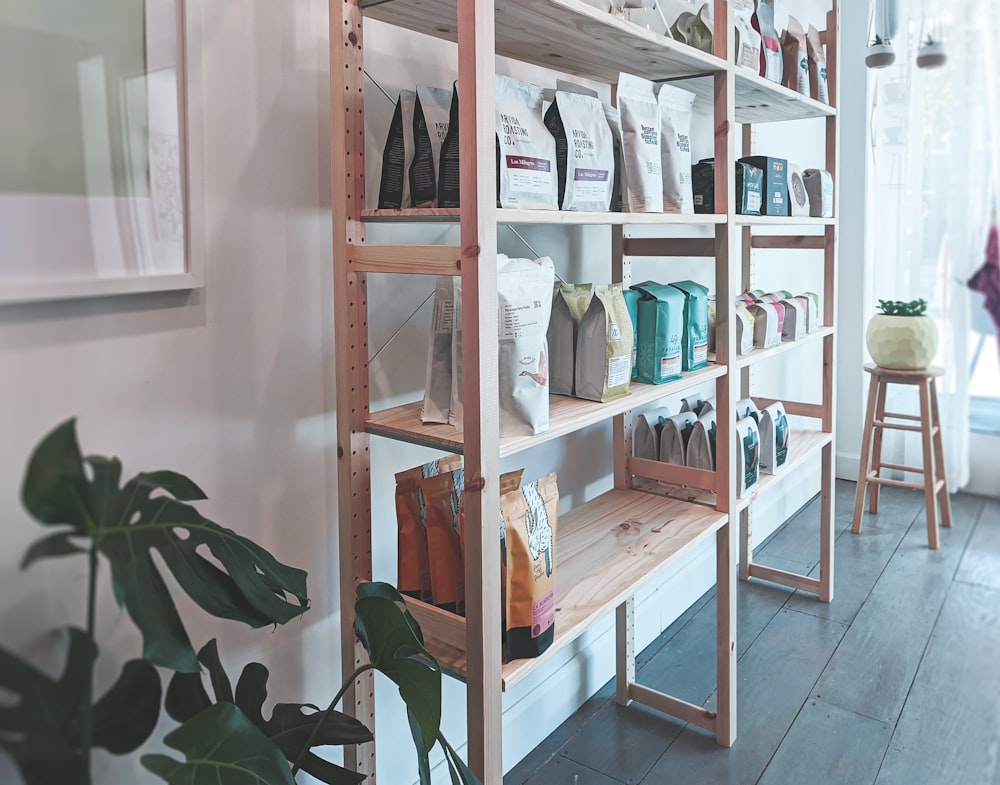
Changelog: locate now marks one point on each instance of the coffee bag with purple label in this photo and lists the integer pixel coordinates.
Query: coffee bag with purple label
(526, 151)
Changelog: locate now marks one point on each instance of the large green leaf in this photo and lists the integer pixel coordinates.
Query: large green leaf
(228, 575)
(220, 746)
(292, 727)
(42, 730)
(395, 646)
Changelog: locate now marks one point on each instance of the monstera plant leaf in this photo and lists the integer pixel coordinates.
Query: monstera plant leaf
(221, 746)
(294, 728)
(395, 646)
(42, 730)
(128, 522)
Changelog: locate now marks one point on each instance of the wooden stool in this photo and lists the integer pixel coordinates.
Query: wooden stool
(935, 485)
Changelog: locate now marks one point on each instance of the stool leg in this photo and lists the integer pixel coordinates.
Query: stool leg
(877, 448)
(942, 470)
(866, 457)
(930, 473)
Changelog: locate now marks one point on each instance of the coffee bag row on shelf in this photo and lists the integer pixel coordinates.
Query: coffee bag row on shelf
(779, 316)
(524, 289)
(687, 438)
(430, 518)
(804, 61)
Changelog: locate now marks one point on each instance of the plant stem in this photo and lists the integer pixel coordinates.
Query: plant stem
(329, 710)
(87, 720)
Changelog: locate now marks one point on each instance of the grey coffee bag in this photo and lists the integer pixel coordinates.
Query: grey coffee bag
(701, 444)
(431, 116)
(437, 386)
(569, 304)
(604, 347)
(646, 434)
(674, 437)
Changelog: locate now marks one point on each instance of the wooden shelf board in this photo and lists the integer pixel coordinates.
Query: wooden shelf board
(782, 220)
(605, 550)
(554, 217)
(758, 100)
(567, 35)
(804, 444)
(566, 415)
(759, 355)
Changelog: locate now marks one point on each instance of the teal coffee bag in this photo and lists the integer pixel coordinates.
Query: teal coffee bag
(659, 338)
(694, 339)
(632, 303)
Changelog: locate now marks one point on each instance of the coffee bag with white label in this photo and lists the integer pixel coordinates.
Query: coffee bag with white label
(748, 45)
(639, 121)
(604, 347)
(747, 408)
(437, 385)
(744, 328)
(819, 186)
(793, 326)
(814, 317)
(770, 51)
(397, 155)
(524, 294)
(766, 330)
(660, 321)
(675, 436)
(529, 518)
(747, 454)
(774, 438)
(796, 57)
(675, 148)
(569, 304)
(694, 341)
(818, 87)
(584, 151)
(646, 434)
(798, 199)
(526, 151)
(701, 444)
(431, 115)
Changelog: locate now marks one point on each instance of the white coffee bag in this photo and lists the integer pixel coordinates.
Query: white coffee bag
(676, 109)
(744, 328)
(585, 155)
(639, 122)
(748, 41)
(819, 186)
(646, 434)
(525, 148)
(438, 382)
(814, 317)
(524, 295)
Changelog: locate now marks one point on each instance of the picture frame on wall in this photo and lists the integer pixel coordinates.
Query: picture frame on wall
(94, 191)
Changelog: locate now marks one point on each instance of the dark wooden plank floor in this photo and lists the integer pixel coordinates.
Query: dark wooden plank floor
(895, 682)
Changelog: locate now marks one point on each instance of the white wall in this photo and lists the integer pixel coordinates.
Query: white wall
(233, 384)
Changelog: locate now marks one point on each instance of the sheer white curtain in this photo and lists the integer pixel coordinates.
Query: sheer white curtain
(929, 191)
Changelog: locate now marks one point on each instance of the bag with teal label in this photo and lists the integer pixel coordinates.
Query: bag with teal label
(694, 338)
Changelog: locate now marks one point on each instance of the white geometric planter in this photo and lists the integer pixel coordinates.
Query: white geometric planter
(902, 343)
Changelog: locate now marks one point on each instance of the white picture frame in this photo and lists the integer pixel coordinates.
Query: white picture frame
(125, 225)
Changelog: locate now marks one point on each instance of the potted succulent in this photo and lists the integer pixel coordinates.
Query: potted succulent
(902, 337)
(880, 53)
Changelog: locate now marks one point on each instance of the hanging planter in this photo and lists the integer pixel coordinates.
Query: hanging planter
(880, 54)
(930, 53)
(882, 27)
(902, 338)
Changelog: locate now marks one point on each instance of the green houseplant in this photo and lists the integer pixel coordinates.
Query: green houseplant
(902, 337)
(52, 725)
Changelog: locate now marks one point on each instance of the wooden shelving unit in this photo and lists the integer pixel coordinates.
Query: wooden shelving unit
(610, 547)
